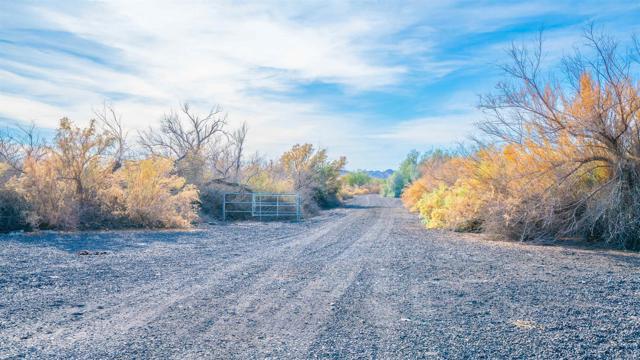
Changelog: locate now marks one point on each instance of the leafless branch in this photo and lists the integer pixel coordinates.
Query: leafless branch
(113, 127)
(184, 133)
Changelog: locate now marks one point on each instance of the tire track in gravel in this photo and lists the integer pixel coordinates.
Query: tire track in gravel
(359, 333)
(151, 307)
(298, 315)
(134, 307)
(268, 292)
(367, 282)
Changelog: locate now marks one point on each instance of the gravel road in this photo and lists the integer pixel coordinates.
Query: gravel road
(365, 281)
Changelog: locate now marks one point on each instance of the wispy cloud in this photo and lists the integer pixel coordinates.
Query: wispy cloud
(350, 76)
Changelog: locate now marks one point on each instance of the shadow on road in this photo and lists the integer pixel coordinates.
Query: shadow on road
(569, 245)
(358, 206)
(101, 240)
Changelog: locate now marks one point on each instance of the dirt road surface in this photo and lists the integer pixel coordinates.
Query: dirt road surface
(366, 281)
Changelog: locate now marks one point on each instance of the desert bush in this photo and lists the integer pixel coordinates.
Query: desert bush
(436, 167)
(584, 135)
(374, 186)
(313, 176)
(407, 172)
(201, 145)
(268, 176)
(211, 194)
(499, 189)
(350, 191)
(356, 178)
(52, 200)
(393, 186)
(449, 194)
(359, 183)
(80, 181)
(204, 151)
(563, 157)
(60, 184)
(483, 189)
(13, 207)
(303, 170)
(13, 211)
(145, 193)
(88, 178)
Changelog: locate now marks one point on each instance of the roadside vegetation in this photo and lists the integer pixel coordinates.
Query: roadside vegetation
(559, 155)
(407, 172)
(359, 183)
(95, 177)
(304, 170)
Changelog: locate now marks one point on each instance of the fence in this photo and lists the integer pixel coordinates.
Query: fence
(262, 206)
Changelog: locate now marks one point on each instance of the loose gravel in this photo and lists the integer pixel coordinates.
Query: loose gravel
(364, 281)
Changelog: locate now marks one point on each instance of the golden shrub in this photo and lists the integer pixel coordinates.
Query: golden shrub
(301, 169)
(269, 180)
(53, 200)
(145, 193)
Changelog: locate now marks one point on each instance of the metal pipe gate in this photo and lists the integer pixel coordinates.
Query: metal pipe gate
(261, 205)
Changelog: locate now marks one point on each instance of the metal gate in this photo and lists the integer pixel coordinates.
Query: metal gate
(262, 206)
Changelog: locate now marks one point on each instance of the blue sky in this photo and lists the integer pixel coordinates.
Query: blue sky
(369, 80)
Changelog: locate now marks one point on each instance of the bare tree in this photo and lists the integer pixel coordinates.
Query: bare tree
(251, 168)
(113, 128)
(225, 154)
(238, 138)
(184, 133)
(19, 144)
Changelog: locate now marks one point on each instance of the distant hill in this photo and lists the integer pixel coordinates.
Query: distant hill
(378, 174)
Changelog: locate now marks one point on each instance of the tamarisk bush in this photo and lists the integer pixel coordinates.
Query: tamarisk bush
(584, 134)
(562, 157)
(75, 183)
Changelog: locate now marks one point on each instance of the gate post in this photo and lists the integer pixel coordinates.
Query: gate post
(224, 206)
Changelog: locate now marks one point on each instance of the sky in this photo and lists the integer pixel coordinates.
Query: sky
(368, 80)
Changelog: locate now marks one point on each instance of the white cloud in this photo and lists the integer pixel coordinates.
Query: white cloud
(30, 111)
(150, 55)
(205, 53)
(436, 130)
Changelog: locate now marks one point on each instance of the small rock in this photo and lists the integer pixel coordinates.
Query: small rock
(87, 252)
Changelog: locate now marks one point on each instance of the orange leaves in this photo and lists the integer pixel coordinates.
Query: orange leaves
(412, 193)
(588, 93)
(509, 152)
(545, 179)
(464, 192)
